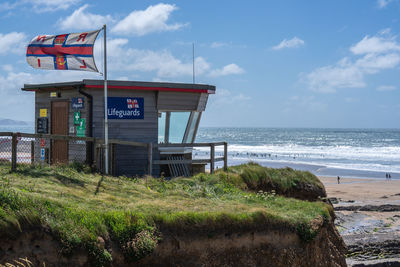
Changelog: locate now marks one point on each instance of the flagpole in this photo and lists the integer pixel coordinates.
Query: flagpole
(105, 103)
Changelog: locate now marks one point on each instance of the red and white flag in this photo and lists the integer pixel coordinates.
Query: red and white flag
(73, 51)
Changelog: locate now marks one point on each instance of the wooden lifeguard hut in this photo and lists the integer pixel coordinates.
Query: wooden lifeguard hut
(143, 112)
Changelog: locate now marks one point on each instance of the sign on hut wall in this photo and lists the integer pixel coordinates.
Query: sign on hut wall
(43, 112)
(125, 108)
(77, 118)
(42, 125)
(77, 103)
(81, 128)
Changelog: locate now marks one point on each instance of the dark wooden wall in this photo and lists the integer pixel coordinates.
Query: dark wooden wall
(130, 160)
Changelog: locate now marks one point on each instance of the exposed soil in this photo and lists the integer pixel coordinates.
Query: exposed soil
(269, 247)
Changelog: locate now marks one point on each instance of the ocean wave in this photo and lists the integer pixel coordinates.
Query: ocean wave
(344, 157)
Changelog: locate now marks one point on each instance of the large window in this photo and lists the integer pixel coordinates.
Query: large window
(161, 127)
(190, 133)
(177, 127)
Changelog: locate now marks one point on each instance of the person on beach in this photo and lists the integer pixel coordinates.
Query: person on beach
(387, 176)
(338, 180)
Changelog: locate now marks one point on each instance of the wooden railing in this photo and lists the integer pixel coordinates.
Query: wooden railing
(99, 143)
(211, 160)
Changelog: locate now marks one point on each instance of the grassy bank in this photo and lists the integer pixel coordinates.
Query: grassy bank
(285, 181)
(79, 207)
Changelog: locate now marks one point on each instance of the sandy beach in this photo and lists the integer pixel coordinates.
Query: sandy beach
(378, 191)
(368, 218)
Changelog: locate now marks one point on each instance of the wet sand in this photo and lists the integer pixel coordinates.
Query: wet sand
(374, 191)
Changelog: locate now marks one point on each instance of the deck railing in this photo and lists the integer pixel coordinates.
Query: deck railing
(18, 148)
(211, 160)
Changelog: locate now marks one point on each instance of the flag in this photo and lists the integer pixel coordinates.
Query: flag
(72, 51)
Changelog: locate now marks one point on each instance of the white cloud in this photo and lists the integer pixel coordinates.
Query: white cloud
(7, 67)
(383, 3)
(383, 88)
(375, 44)
(224, 96)
(162, 62)
(51, 5)
(83, 20)
(294, 42)
(227, 70)
(39, 6)
(153, 19)
(8, 6)
(378, 53)
(13, 42)
(328, 79)
(308, 103)
(372, 63)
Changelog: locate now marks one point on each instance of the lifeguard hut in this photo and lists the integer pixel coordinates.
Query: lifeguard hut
(144, 112)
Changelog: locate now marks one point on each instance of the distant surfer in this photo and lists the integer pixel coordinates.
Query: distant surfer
(338, 180)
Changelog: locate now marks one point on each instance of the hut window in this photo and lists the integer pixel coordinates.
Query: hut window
(161, 127)
(193, 124)
(177, 126)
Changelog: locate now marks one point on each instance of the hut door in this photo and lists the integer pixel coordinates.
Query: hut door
(59, 126)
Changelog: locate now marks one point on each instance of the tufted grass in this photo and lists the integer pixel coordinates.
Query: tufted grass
(80, 206)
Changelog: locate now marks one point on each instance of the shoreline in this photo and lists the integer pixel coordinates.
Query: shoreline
(317, 170)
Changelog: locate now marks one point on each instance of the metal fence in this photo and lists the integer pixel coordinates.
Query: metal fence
(24, 148)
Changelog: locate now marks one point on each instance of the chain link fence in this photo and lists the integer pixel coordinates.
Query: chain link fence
(22, 148)
(5, 149)
(124, 157)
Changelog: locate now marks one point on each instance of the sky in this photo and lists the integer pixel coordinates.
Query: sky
(276, 63)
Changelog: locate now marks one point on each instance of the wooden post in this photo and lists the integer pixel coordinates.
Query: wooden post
(149, 158)
(110, 158)
(225, 156)
(113, 161)
(212, 158)
(14, 152)
(96, 157)
(49, 154)
(32, 152)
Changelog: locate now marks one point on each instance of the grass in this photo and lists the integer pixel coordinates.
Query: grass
(284, 180)
(79, 206)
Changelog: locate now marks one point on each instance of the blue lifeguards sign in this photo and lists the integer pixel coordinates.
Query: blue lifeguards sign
(125, 108)
(77, 103)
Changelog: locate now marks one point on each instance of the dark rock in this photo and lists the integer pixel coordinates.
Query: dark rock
(381, 208)
(334, 200)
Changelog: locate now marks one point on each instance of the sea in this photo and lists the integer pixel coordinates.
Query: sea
(362, 153)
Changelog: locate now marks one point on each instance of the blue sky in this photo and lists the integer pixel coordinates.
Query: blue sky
(274, 63)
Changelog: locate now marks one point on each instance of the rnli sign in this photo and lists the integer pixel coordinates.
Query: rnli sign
(125, 108)
(77, 103)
